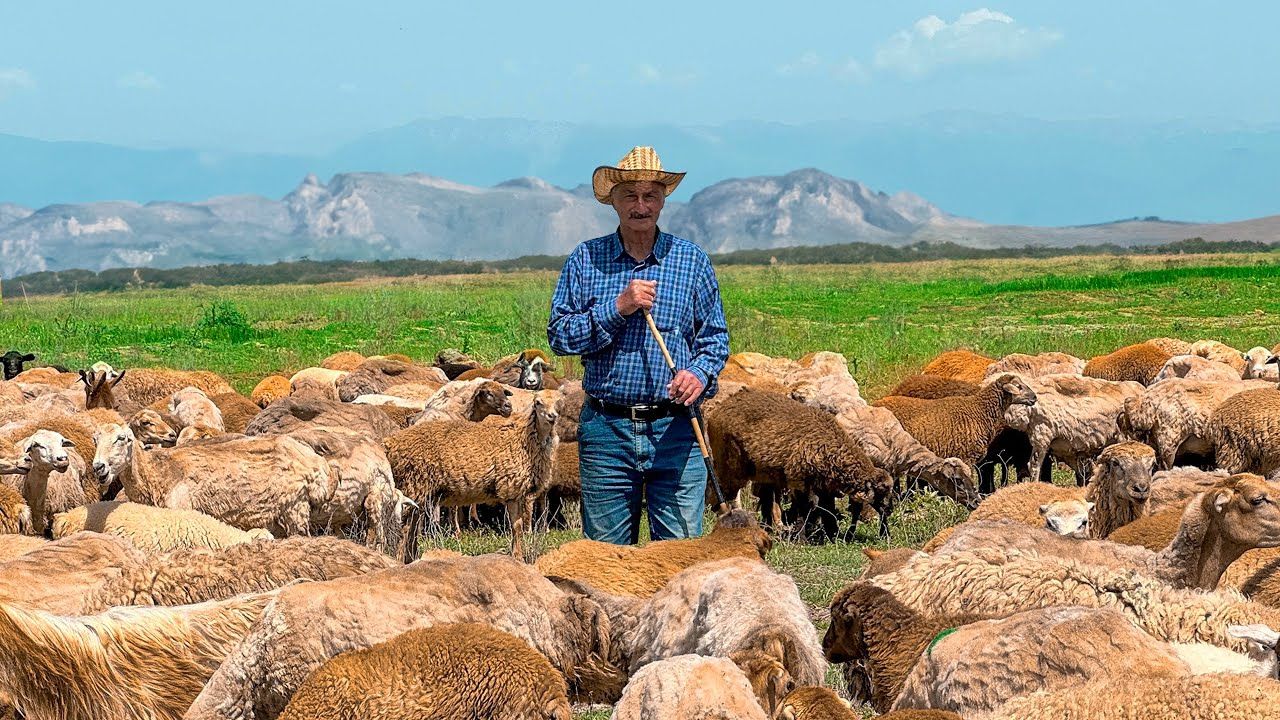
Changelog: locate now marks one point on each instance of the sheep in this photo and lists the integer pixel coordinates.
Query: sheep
(1173, 415)
(642, 571)
(444, 672)
(80, 574)
(320, 383)
(15, 514)
(1171, 489)
(1202, 697)
(568, 409)
(815, 703)
(1258, 365)
(103, 390)
(688, 687)
(959, 365)
(1002, 581)
(291, 413)
(1153, 532)
(382, 400)
(309, 623)
(1073, 418)
(1133, 363)
(1173, 346)
(470, 400)
(529, 370)
(374, 376)
(401, 417)
(454, 362)
(962, 427)
(932, 387)
(345, 361)
(192, 407)
(192, 575)
(1194, 367)
(269, 389)
(124, 664)
(781, 444)
(55, 377)
(890, 447)
(12, 362)
(78, 428)
(1038, 504)
(880, 562)
(269, 482)
(977, 667)
(769, 679)
(147, 385)
(11, 394)
(237, 411)
(1254, 574)
(1033, 366)
(152, 529)
(448, 464)
(566, 484)
(1236, 515)
(14, 545)
(413, 392)
(1243, 431)
(57, 481)
(879, 639)
(1221, 353)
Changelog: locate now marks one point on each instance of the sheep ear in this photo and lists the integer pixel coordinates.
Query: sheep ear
(1261, 635)
(29, 357)
(872, 553)
(1044, 509)
(1220, 499)
(1272, 360)
(1089, 506)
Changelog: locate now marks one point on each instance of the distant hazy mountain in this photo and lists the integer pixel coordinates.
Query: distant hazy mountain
(364, 216)
(1000, 168)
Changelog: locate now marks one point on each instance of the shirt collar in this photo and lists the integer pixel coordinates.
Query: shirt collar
(661, 244)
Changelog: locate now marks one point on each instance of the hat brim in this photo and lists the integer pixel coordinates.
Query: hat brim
(606, 177)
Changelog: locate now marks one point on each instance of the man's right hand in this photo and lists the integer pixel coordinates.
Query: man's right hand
(639, 295)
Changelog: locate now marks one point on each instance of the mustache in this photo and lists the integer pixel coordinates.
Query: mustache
(641, 216)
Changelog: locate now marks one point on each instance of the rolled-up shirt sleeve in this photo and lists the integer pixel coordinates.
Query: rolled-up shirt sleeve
(580, 324)
(710, 332)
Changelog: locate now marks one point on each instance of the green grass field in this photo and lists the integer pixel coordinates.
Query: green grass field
(887, 319)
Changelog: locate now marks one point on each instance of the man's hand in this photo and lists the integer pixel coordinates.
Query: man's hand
(684, 388)
(639, 295)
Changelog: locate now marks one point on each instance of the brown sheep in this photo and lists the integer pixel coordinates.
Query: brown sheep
(270, 389)
(291, 413)
(403, 417)
(880, 640)
(374, 376)
(237, 411)
(932, 387)
(643, 571)
(1173, 346)
(147, 385)
(1138, 363)
(881, 562)
(779, 444)
(1153, 532)
(815, 703)
(11, 394)
(959, 365)
(770, 681)
(15, 514)
(442, 672)
(1243, 431)
(345, 360)
(454, 362)
(80, 574)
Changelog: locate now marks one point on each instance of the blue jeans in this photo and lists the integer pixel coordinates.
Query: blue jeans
(621, 460)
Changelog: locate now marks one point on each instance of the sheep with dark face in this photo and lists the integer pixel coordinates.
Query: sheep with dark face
(13, 362)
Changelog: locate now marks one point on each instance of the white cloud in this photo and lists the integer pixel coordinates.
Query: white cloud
(652, 75)
(851, 70)
(978, 36)
(138, 81)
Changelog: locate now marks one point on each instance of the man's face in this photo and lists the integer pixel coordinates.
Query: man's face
(638, 205)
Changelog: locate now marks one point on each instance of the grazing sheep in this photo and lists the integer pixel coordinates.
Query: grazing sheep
(152, 529)
(780, 444)
(270, 482)
(1243, 431)
(12, 361)
(125, 664)
(1125, 696)
(932, 387)
(438, 673)
(194, 575)
(815, 703)
(320, 383)
(643, 571)
(237, 411)
(1171, 489)
(469, 400)
(879, 639)
(962, 427)
(1073, 418)
(147, 385)
(15, 514)
(57, 481)
(1221, 353)
(449, 464)
(1173, 415)
(1194, 367)
(1258, 365)
(374, 376)
(345, 361)
(1134, 363)
(309, 623)
(1033, 366)
(289, 414)
(688, 687)
(269, 389)
(80, 574)
(959, 365)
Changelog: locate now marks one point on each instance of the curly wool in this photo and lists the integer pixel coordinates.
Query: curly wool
(80, 574)
(236, 410)
(345, 360)
(1125, 696)
(1173, 415)
(959, 365)
(269, 389)
(15, 514)
(932, 387)
(293, 413)
(1032, 366)
(152, 529)
(1137, 363)
(688, 686)
(374, 376)
(147, 385)
(815, 703)
(1243, 431)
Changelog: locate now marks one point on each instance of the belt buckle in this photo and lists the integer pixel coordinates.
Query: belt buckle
(632, 410)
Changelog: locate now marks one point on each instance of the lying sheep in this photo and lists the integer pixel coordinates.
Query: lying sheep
(779, 444)
(147, 385)
(152, 529)
(1173, 346)
(1133, 363)
(292, 413)
(151, 428)
(11, 394)
(530, 369)
(309, 623)
(445, 671)
(1203, 697)
(193, 408)
(316, 383)
(1037, 504)
(81, 574)
(932, 387)
(345, 360)
(815, 703)
(1173, 415)
(1194, 367)
(270, 389)
(374, 376)
(959, 365)
(1033, 366)
(237, 411)
(688, 687)
(1258, 364)
(12, 546)
(1243, 432)
(643, 571)
(1220, 353)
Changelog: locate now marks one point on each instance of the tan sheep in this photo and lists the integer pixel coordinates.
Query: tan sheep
(11, 394)
(1153, 532)
(470, 400)
(345, 361)
(125, 664)
(1032, 366)
(1220, 353)
(57, 481)
(47, 376)
(437, 673)
(81, 574)
(815, 703)
(1173, 346)
(451, 463)
(309, 623)
(880, 562)
(1243, 431)
(292, 413)
(151, 428)
(77, 428)
(269, 389)
(1029, 503)
(643, 571)
(147, 385)
(413, 392)
(1137, 363)
(1258, 364)
(374, 376)
(236, 410)
(1171, 489)
(1194, 367)
(959, 365)
(1173, 415)
(688, 687)
(12, 546)
(320, 383)
(193, 408)
(1124, 696)
(152, 529)
(15, 514)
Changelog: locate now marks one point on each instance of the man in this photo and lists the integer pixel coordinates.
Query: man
(635, 435)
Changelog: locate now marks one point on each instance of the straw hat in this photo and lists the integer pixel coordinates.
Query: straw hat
(640, 164)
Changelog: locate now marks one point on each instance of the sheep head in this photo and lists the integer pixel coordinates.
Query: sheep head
(954, 478)
(1124, 470)
(1069, 518)
(115, 452)
(769, 678)
(47, 449)
(13, 460)
(532, 364)
(99, 388)
(151, 429)
(599, 671)
(1246, 509)
(1014, 390)
(1261, 642)
(491, 398)
(13, 361)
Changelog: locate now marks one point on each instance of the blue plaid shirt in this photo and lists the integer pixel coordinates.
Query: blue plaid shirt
(622, 361)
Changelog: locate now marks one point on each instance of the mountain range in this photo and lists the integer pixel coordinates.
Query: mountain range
(364, 216)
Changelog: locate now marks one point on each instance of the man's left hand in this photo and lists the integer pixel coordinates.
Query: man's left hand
(684, 388)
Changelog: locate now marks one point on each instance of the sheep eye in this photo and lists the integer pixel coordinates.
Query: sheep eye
(1258, 500)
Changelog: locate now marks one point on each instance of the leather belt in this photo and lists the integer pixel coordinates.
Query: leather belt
(644, 413)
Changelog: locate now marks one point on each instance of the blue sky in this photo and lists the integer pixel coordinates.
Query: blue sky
(303, 77)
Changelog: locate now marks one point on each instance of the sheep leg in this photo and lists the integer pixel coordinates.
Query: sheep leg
(855, 514)
(829, 516)
(516, 519)
(802, 510)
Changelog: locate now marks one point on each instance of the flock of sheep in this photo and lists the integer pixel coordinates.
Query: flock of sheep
(173, 549)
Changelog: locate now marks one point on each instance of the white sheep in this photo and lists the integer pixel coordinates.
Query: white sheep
(1194, 367)
(1259, 364)
(1173, 415)
(1031, 366)
(322, 381)
(193, 408)
(688, 686)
